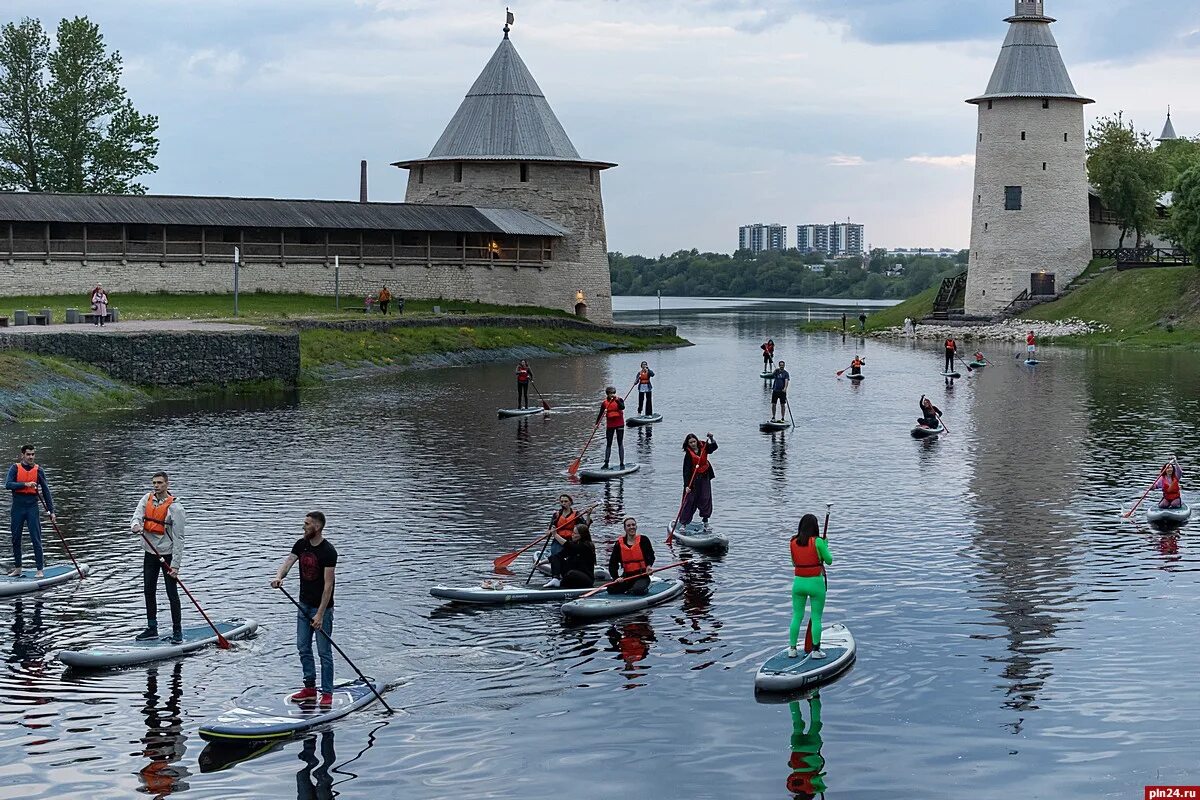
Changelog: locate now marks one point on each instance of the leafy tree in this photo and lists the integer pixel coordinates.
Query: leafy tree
(66, 124)
(1129, 177)
(1185, 212)
(1178, 156)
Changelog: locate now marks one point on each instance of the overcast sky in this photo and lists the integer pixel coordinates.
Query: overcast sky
(718, 112)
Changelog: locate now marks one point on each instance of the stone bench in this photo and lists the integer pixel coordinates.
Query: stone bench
(37, 319)
(94, 318)
(3, 322)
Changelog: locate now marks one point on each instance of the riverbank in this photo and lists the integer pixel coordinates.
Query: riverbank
(41, 387)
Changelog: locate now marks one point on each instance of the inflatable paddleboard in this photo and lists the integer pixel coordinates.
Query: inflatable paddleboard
(697, 537)
(516, 593)
(977, 364)
(611, 605)
(27, 583)
(517, 412)
(644, 419)
(951, 374)
(858, 377)
(592, 475)
(921, 432)
(1029, 362)
(772, 426)
(1168, 516)
(124, 654)
(783, 674)
(262, 715)
(766, 374)
(600, 573)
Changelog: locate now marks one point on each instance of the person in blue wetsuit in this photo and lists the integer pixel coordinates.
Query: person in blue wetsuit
(25, 479)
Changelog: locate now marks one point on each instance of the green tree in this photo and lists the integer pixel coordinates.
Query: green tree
(66, 124)
(1185, 212)
(1123, 167)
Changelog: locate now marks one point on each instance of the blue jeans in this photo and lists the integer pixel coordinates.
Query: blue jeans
(304, 636)
(25, 512)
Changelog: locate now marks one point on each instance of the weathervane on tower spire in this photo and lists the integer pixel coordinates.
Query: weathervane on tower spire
(508, 20)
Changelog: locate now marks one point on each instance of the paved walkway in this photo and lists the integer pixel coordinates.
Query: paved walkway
(132, 326)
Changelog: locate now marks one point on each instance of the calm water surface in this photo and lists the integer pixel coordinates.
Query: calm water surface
(1015, 637)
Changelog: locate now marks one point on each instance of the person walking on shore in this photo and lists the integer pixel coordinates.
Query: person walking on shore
(862, 321)
(161, 520)
(385, 297)
(25, 479)
(318, 561)
(100, 304)
(645, 389)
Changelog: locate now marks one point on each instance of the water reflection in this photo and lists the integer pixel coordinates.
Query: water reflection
(645, 437)
(630, 640)
(28, 649)
(697, 576)
(807, 777)
(313, 780)
(164, 741)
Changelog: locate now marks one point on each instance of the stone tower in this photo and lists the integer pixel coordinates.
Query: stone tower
(505, 149)
(1029, 223)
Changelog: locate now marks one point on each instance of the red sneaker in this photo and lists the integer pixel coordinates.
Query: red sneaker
(304, 695)
(326, 699)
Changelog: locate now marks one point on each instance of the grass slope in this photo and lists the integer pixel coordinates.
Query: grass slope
(39, 387)
(1146, 307)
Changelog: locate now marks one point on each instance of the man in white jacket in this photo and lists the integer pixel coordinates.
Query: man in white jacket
(160, 520)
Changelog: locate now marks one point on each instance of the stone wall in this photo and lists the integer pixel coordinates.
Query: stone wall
(174, 358)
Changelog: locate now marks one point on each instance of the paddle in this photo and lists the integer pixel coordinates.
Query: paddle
(548, 538)
(629, 578)
(508, 558)
(222, 642)
(849, 367)
(341, 652)
(943, 423)
(61, 538)
(683, 502)
(790, 415)
(1161, 472)
(808, 642)
(545, 405)
(571, 470)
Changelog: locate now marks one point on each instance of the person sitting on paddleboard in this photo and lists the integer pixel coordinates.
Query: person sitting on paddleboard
(645, 390)
(24, 480)
(695, 463)
(563, 522)
(951, 350)
(612, 411)
(768, 348)
(524, 376)
(631, 555)
(856, 365)
(809, 555)
(318, 563)
(575, 566)
(160, 516)
(930, 414)
(1030, 344)
(779, 386)
(979, 359)
(1168, 482)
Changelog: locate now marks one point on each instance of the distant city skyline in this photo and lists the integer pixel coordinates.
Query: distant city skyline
(714, 112)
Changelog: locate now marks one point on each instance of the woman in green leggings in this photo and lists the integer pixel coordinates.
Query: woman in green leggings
(810, 554)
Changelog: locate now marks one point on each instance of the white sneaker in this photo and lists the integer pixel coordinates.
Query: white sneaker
(553, 583)
(791, 652)
(817, 654)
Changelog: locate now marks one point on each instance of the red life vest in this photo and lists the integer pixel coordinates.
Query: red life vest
(644, 376)
(951, 345)
(565, 525)
(699, 460)
(1170, 486)
(806, 560)
(522, 374)
(1029, 338)
(154, 518)
(613, 413)
(632, 560)
(771, 348)
(26, 475)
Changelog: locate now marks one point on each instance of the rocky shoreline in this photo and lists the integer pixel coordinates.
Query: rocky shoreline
(1008, 331)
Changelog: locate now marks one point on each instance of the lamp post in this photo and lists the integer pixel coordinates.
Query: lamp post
(660, 306)
(237, 265)
(337, 285)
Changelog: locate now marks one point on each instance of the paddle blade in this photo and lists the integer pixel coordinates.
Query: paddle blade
(840, 373)
(545, 406)
(223, 643)
(505, 560)
(670, 533)
(808, 645)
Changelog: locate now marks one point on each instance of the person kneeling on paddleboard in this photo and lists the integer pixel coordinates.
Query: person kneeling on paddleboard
(162, 519)
(645, 390)
(930, 414)
(612, 411)
(697, 479)
(631, 555)
(1168, 482)
(318, 560)
(809, 555)
(562, 523)
(575, 566)
(779, 386)
(856, 365)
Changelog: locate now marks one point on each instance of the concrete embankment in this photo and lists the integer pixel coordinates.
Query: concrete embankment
(1013, 330)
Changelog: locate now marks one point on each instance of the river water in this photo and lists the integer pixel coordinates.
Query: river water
(1015, 636)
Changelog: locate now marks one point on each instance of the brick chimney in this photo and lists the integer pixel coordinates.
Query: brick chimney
(362, 181)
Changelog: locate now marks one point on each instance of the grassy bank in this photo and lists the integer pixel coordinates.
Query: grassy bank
(39, 387)
(1142, 307)
(253, 307)
(917, 307)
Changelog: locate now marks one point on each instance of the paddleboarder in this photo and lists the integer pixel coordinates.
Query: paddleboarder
(161, 517)
(856, 365)
(25, 479)
(697, 490)
(575, 566)
(1168, 482)
(633, 554)
(930, 414)
(563, 522)
(612, 411)
(1030, 346)
(768, 348)
(810, 554)
(808, 765)
(779, 386)
(524, 376)
(951, 350)
(318, 560)
(645, 389)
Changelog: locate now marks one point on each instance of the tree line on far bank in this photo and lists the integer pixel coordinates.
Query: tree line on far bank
(788, 273)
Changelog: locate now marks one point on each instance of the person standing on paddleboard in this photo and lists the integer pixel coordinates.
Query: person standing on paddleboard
(768, 349)
(645, 389)
(951, 351)
(633, 554)
(25, 479)
(162, 519)
(318, 560)
(524, 376)
(697, 490)
(612, 411)
(779, 386)
(930, 414)
(1168, 482)
(810, 554)
(1030, 345)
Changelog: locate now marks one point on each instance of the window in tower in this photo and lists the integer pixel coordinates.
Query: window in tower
(989, 105)
(1012, 198)
(524, 173)
(592, 176)
(981, 137)
(1064, 137)
(458, 172)
(421, 173)
(1043, 166)
(1022, 136)
(1045, 104)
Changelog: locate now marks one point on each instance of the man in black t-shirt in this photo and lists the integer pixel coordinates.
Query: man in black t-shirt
(317, 559)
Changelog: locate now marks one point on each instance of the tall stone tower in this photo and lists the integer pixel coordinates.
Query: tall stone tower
(1029, 225)
(504, 148)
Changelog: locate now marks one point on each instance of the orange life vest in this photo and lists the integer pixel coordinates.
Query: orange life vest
(951, 345)
(699, 460)
(613, 413)
(1170, 486)
(522, 374)
(858, 362)
(564, 525)
(384, 295)
(632, 560)
(26, 475)
(771, 348)
(154, 518)
(806, 559)
(644, 376)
